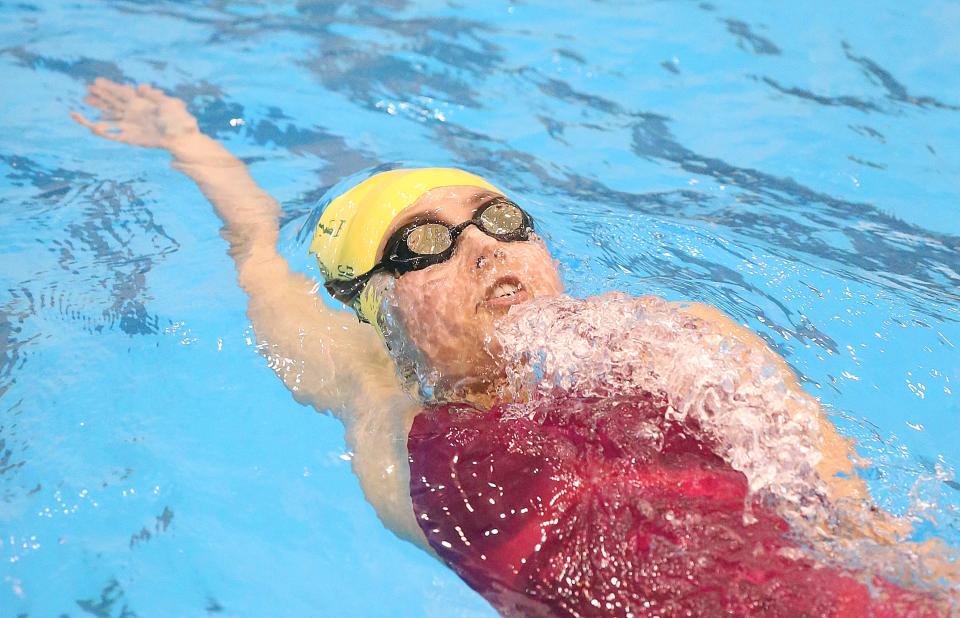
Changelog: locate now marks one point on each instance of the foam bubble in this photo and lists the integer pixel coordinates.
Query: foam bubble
(732, 395)
(735, 394)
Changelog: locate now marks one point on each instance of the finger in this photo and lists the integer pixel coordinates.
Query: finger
(103, 85)
(108, 89)
(94, 100)
(103, 98)
(99, 128)
(78, 117)
(108, 109)
(112, 94)
(102, 82)
(154, 94)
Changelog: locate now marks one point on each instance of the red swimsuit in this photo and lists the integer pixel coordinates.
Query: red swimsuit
(601, 507)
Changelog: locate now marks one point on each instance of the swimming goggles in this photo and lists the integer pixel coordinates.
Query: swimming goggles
(423, 243)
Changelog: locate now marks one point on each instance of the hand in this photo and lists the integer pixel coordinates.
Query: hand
(141, 116)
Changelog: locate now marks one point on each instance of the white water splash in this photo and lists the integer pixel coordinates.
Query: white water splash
(735, 393)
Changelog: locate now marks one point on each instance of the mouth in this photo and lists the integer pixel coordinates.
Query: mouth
(505, 292)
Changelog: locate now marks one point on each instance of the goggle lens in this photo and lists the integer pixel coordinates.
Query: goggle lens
(429, 239)
(502, 219)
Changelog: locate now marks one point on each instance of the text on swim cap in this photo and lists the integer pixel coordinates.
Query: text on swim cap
(331, 230)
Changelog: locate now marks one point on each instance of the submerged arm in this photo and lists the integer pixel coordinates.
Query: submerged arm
(845, 488)
(836, 466)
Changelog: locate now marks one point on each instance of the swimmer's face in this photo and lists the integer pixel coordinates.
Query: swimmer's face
(449, 309)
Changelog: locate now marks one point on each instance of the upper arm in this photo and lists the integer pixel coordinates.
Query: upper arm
(725, 325)
(325, 357)
(331, 360)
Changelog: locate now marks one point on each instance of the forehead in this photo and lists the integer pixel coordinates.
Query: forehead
(447, 203)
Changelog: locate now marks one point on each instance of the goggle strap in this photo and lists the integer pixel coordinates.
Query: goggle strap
(346, 291)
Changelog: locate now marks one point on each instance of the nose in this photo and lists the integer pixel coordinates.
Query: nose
(478, 248)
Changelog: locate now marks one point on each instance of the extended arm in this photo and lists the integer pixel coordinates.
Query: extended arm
(321, 354)
(298, 333)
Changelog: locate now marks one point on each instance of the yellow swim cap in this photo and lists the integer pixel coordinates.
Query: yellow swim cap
(353, 225)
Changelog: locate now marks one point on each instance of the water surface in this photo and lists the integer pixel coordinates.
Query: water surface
(795, 166)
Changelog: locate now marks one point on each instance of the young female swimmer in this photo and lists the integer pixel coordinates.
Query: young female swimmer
(552, 506)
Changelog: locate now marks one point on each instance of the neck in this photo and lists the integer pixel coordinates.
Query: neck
(481, 393)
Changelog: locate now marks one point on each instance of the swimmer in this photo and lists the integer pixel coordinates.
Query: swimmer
(547, 503)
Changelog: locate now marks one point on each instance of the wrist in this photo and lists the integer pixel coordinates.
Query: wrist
(195, 148)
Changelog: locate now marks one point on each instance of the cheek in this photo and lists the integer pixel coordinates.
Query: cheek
(437, 310)
(539, 270)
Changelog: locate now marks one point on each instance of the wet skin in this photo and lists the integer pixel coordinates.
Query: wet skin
(449, 309)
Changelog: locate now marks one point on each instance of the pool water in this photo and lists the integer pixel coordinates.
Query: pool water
(795, 166)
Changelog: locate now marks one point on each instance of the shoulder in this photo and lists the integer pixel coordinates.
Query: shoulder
(718, 321)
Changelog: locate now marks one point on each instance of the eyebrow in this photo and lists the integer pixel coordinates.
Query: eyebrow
(483, 198)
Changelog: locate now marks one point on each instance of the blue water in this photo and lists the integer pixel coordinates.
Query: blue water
(796, 166)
